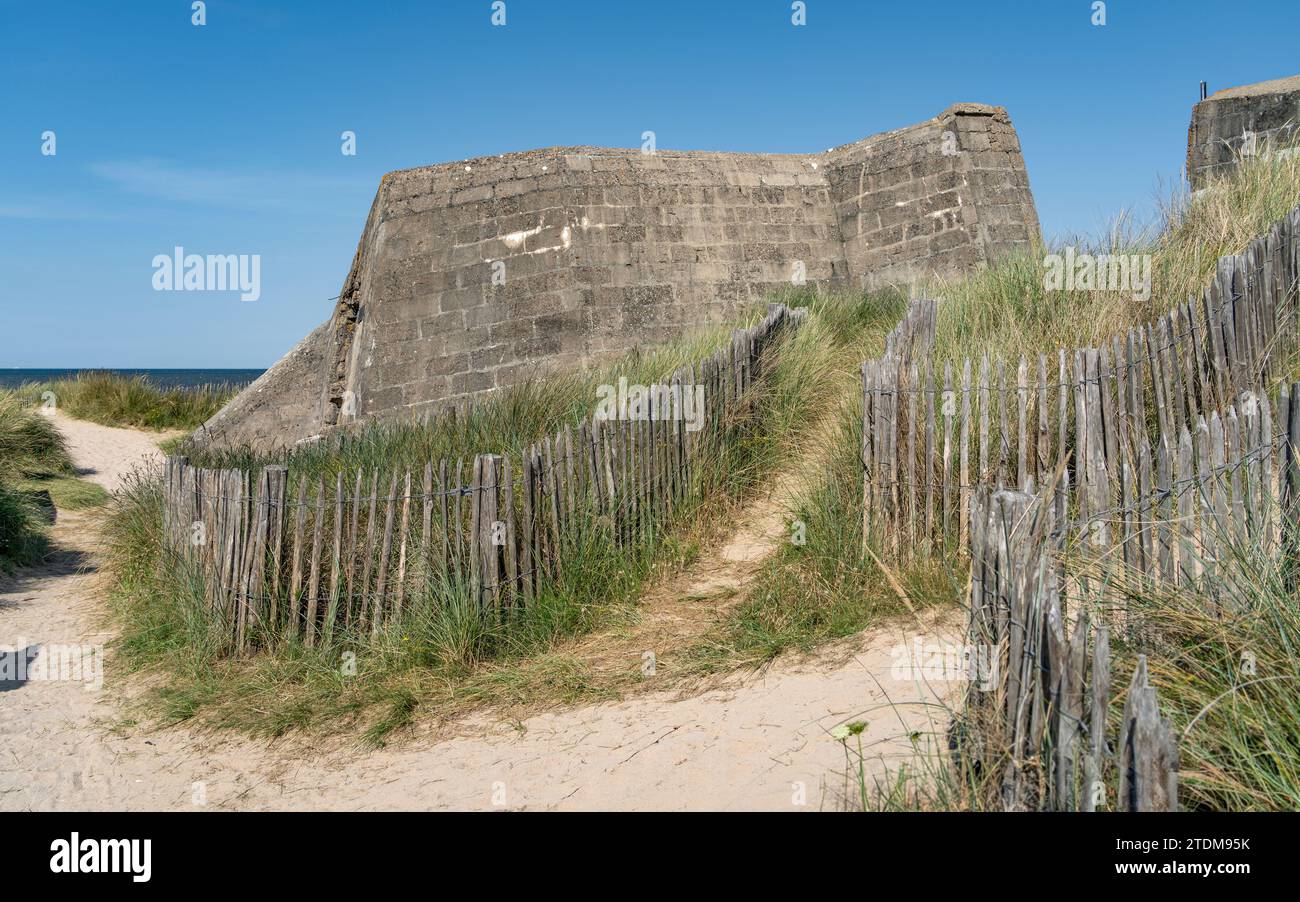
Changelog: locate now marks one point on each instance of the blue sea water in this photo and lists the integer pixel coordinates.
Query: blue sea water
(12, 378)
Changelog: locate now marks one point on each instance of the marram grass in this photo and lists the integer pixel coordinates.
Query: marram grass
(33, 455)
(131, 401)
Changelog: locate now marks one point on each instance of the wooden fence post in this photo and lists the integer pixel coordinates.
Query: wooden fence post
(1148, 750)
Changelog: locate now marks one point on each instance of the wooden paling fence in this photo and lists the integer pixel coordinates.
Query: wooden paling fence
(1120, 414)
(1157, 458)
(1231, 485)
(884, 382)
(1041, 722)
(285, 556)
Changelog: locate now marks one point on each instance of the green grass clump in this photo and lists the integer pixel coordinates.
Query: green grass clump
(34, 459)
(31, 451)
(22, 532)
(67, 492)
(29, 443)
(135, 401)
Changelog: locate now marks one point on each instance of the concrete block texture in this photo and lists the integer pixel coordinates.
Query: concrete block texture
(473, 274)
(1247, 119)
(282, 406)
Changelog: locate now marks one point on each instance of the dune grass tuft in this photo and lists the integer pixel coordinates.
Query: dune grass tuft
(32, 452)
(135, 401)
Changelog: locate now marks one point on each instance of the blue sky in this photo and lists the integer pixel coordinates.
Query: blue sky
(225, 138)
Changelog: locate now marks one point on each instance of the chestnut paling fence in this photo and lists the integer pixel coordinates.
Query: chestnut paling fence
(285, 557)
(934, 433)
(1158, 456)
(1234, 486)
(1040, 724)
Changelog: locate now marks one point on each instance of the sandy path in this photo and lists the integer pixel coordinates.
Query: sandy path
(106, 455)
(684, 607)
(675, 613)
(756, 741)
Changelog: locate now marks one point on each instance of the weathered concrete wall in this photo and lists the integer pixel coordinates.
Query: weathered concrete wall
(282, 406)
(1269, 110)
(482, 271)
(939, 197)
(471, 276)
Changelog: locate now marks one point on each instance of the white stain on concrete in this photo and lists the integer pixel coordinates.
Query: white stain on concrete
(515, 240)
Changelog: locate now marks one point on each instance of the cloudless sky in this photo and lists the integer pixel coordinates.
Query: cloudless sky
(225, 138)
